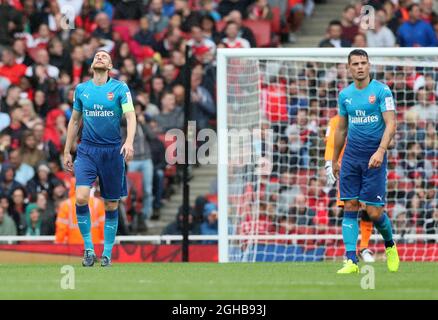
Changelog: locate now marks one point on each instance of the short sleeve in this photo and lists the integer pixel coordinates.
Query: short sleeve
(342, 110)
(386, 100)
(77, 104)
(126, 99)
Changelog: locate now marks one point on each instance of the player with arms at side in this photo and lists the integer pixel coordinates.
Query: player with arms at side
(367, 115)
(366, 225)
(100, 102)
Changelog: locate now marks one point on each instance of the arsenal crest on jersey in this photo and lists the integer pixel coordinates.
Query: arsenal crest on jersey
(372, 99)
(110, 96)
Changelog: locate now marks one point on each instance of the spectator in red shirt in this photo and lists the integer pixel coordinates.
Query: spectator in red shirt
(243, 32)
(318, 199)
(274, 102)
(200, 43)
(349, 28)
(40, 39)
(55, 130)
(85, 19)
(232, 40)
(10, 69)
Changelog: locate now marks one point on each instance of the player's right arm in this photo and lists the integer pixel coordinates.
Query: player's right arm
(340, 135)
(72, 130)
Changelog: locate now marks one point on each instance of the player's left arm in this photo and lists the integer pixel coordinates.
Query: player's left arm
(128, 110)
(387, 107)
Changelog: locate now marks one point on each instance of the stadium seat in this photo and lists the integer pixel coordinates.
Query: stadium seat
(261, 30)
(123, 31)
(140, 52)
(132, 25)
(32, 52)
(220, 25)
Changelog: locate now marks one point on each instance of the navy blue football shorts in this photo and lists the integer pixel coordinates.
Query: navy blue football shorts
(104, 162)
(357, 181)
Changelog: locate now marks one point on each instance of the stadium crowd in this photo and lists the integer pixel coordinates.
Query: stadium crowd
(43, 58)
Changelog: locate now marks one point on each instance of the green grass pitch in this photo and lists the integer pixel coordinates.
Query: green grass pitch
(174, 281)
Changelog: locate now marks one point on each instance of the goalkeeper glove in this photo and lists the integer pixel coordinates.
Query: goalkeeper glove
(331, 179)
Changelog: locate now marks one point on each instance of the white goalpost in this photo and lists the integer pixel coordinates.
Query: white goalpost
(281, 209)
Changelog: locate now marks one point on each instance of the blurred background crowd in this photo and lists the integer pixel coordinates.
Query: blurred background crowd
(47, 47)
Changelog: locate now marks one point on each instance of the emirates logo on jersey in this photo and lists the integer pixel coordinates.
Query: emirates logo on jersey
(372, 99)
(110, 96)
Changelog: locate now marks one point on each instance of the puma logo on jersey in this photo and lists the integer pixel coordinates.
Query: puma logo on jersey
(348, 100)
(379, 197)
(86, 95)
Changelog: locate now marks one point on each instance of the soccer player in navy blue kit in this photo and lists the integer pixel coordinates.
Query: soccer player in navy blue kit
(100, 102)
(367, 120)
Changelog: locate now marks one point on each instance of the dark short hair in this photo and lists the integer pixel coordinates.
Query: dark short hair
(335, 23)
(411, 6)
(230, 23)
(8, 49)
(357, 52)
(167, 92)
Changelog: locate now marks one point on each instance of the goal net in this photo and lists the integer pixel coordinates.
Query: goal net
(274, 110)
